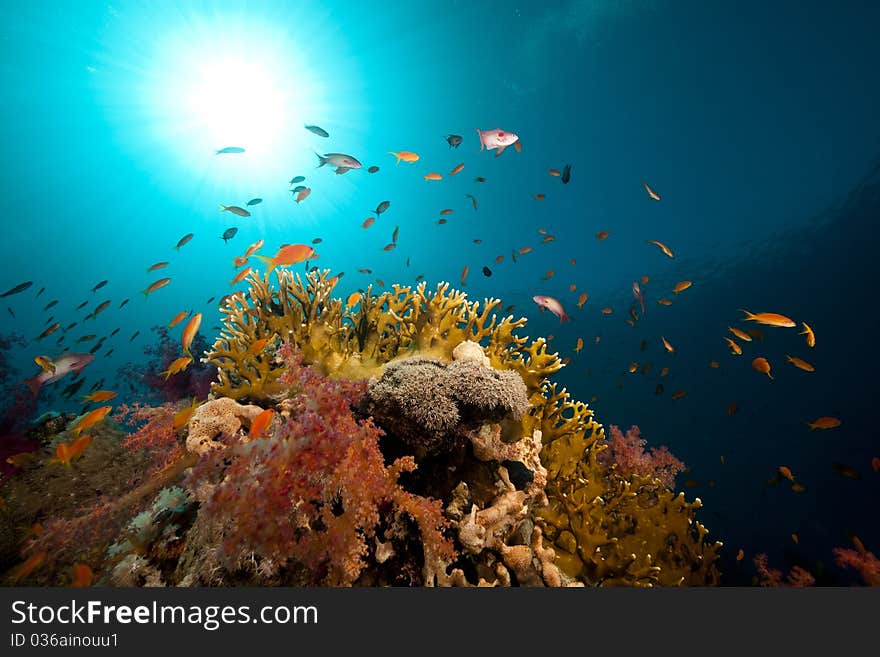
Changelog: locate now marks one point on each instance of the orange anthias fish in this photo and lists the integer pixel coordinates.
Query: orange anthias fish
(369, 221)
(734, 347)
(28, 566)
(667, 346)
(678, 394)
(740, 555)
(464, 273)
(582, 299)
(554, 172)
(662, 247)
(681, 286)
(432, 176)
(405, 156)
(240, 276)
(811, 338)
(99, 396)
(602, 234)
(579, 345)
(607, 311)
(714, 364)
(66, 452)
(82, 576)
(289, 254)
(178, 318)
(825, 423)
(239, 261)
(731, 410)
(258, 346)
(770, 319)
(178, 365)
(875, 463)
(158, 265)
(654, 195)
(540, 197)
(181, 417)
(162, 282)
(499, 259)
(253, 248)
(800, 364)
(446, 211)
(664, 371)
(664, 302)
(261, 423)
(90, 419)
(353, 299)
(190, 330)
(786, 472)
(742, 335)
(525, 249)
(762, 365)
(572, 287)
(457, 169)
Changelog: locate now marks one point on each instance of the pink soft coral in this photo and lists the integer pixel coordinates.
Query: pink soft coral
(771, 577)
(318, 492)
(627, 453)
(864, 562)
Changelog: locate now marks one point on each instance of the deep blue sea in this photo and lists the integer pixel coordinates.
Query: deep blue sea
(757, 124)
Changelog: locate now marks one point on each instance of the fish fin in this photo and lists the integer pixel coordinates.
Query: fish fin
(222, 209)
(269, 262)
(395, 155)
(748, 314)
(500, 150)
(322, 159)
(482, 143)
(34, 384)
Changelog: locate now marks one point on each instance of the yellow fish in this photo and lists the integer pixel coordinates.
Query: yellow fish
(800, 364)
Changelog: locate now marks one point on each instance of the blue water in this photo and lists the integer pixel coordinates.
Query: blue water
(758, 124)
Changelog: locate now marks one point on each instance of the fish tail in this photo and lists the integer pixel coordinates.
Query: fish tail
(322, 159)
(395, 155)
(146, 294)
(482, 143)
(269, 261)
(748, 314)
(222, 209)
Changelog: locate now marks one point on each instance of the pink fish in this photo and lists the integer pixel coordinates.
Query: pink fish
(64, 365)
(496, 138)
(552, 305)
(637, 293)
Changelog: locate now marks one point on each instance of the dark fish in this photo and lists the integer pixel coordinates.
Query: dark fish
(384, 205)
(70, 326)
(254, 201)
(110, 351)
(454, 141)
(395, 234)
(297, 179)
(373, 169)
(234, 209)
(846, 471)
(509, 308)
(566, 174)
(298, 189)
(10, 312)
(276, 308)
(473, 200)
(59, 340)
(125, 301)
(87, 338)
(42, 289)
(365, 271)
(97, 385)
(49, 321)
(228, 234)
(50, 304)
(209, 300)
(73, 388)
(183, 240)
(313, 269)
(419, 277)
(82, 305)
(101, 307)
(478, 241)
(230, 149)
(317, 240)
(659, 389)
(136, 333)
(479, 179)
(487, 272)
(513, 255)
(99, 286)
(317, 130)
(407, 261)
(49, 331)
(114, 332)
(21, 287)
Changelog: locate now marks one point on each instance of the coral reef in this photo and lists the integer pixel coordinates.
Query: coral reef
(771, 577)
(416, 440)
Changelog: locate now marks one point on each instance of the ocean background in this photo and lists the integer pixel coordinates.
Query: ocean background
(757, 123)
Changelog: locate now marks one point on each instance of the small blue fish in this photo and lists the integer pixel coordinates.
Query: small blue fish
(297, 179)
(255, 201)
(297, 189)
(228, 234)
(317, 130)
(230, 149)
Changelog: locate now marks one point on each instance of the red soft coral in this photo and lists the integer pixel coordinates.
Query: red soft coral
(864, 562)
(627, 453)
(317, 492)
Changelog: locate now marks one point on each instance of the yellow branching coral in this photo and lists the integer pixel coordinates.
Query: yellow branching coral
(355, 342)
